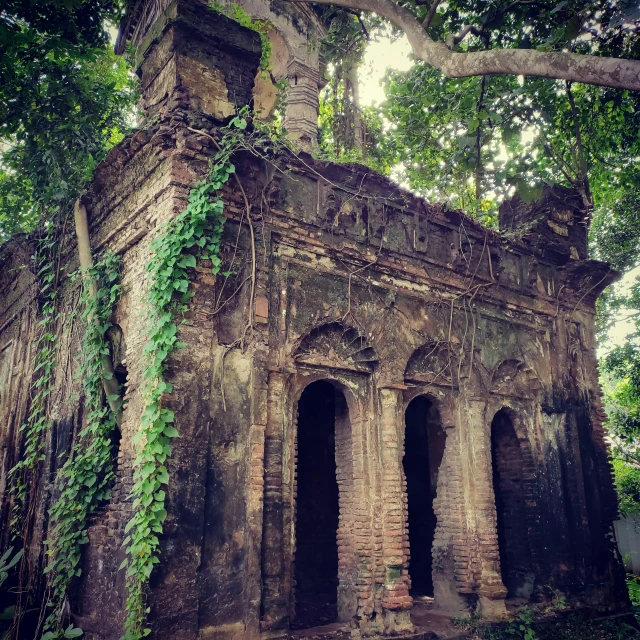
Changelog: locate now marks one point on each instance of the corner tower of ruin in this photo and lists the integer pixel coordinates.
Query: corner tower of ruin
(294, 32)
(380, 402)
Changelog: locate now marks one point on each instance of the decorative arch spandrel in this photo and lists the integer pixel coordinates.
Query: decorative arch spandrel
(336, 345)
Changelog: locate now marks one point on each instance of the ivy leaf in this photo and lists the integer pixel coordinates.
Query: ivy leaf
(72, 632)
(170, 432)
(163, 475)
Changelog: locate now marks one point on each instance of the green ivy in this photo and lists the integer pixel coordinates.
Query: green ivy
(38, 422)
(85, 476)
(194, 234)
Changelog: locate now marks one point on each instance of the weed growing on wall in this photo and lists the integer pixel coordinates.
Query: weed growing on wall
(261, 27)
(85, 477)
(194, 234)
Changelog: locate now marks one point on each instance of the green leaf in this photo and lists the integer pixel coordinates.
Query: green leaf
(7, 614)
(72, 632)
(170, 432)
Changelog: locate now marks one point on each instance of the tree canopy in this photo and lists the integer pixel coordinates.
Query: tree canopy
(592, 42)
(64, 99)
(470, 138)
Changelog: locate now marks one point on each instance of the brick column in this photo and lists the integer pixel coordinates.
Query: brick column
(274, 614)
(451, 554)
(301, 115)
(492, 592)
(363, 539)
(396, 601)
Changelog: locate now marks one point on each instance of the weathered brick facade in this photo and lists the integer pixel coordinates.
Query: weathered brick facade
(386, 297)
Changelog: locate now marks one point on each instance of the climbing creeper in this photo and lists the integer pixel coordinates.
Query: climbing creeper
(194, 234)
(86, 475)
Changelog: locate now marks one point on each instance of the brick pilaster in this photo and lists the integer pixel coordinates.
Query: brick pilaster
(395, 540)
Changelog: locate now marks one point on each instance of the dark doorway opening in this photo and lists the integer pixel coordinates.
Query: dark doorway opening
(316, 556)
(118, 352)
(511, 511)
(423, 450)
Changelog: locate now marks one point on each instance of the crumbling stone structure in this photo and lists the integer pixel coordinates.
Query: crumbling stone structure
(294, 32)
(381, 400)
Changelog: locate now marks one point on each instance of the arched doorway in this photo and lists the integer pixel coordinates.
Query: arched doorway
(423, 450)
(321, 407)
(513, 534)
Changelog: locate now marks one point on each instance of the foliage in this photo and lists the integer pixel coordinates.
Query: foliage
(520, 628)
(627, 480)
(195, 234)
(531, 624)
(594, 27)
(576, 627)
(49, 156)
(474, 141)
(7, 562)
(261, 27)
(622, 403)
(615, 232)
(452, 131)
(343, 123)
(38, 422)
(64, 100)
(60, 22)
(85, 476)
(467, 623)
(633, 588)
(526, 626)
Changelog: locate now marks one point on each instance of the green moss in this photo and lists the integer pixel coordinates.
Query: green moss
(261, 27)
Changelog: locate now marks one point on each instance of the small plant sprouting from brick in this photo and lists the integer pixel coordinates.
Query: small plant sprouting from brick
(261, 27)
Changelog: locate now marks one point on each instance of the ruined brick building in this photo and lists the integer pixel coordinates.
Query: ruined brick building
(389, 401)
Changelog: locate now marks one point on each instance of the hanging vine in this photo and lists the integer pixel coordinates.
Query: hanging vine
(38, 422)
(194, 234)
(85, 477)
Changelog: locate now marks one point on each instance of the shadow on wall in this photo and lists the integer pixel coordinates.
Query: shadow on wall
(513, 535)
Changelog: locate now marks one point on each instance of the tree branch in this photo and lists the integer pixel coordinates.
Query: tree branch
(109, 382)
(432, 12)
(453, 40)
(355, 13)
(609, 72)
(561, 164)
(582, 160)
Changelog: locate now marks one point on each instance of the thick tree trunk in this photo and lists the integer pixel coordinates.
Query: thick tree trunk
(109, 382)
(358, 137)
(479, 165)
(609, 72)
(584, 186)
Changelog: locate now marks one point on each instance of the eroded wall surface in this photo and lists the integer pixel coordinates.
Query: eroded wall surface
(359, 283)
